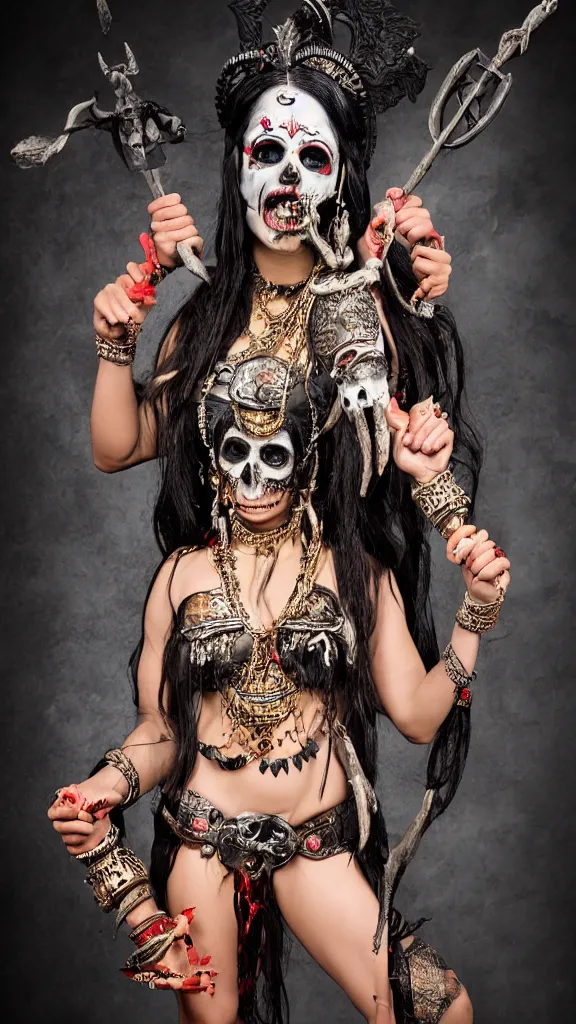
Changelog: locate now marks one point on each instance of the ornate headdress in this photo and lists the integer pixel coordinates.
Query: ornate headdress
(380, 69)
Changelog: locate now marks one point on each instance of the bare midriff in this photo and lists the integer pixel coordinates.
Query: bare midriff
(295, 796)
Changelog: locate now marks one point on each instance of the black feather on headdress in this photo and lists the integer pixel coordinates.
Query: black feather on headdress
(381, 50)
(248, 14)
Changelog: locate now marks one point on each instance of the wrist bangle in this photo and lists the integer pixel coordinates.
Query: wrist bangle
(134, 898)
(123, 351)
(109, 842)
(443, 502)
(458, 675)
(118, 759)
(156, 924)
(479, 618)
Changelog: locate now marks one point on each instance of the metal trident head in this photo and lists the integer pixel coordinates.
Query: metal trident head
(129, 69)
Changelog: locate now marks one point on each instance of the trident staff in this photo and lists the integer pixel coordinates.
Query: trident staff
(470, 94)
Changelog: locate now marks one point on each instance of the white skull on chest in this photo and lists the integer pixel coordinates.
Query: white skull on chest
(255, 466)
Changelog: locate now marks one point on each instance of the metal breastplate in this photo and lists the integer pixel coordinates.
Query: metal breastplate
(216, 636)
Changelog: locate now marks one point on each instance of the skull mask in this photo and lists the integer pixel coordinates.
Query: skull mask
(291, 152)
(254, 466)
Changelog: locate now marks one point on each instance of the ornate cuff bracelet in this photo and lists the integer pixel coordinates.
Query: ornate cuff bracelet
(443, 502)
(479, 618)
(123, 351)
(115, 875)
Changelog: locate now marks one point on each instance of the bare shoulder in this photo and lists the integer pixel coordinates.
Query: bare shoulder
(191, 571)
(326, 574)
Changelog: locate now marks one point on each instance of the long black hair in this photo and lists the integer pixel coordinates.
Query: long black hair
(366, 536)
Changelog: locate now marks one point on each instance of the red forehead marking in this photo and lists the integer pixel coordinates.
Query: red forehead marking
(292, 127)
(266, 124)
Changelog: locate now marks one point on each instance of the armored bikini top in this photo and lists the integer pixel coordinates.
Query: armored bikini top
(309, 647)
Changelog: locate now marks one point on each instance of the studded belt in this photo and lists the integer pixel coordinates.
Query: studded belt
(258, 843)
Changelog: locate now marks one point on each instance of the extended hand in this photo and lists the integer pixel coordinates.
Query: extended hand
(171, 224)
(423, 440)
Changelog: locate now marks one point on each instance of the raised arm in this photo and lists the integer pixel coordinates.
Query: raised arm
(124, 429)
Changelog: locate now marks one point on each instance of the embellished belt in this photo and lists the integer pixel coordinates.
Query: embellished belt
(259, 843)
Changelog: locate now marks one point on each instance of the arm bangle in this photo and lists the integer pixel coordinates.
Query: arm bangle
(115, 875)
(118, 759)
(458, 675)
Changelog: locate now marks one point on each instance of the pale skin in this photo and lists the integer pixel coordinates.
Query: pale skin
(124, 432)
(417, 702)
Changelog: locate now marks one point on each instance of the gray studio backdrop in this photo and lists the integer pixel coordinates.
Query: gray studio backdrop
(494, 875)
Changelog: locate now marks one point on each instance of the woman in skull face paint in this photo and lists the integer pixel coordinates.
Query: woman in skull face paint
(296, 606)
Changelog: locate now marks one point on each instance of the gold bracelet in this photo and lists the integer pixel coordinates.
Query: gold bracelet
(115, 875)
(458, 675)
(132, 900)
(443, 502)
(123, 351)
(105, 846)
(121, 355)
(479, 618)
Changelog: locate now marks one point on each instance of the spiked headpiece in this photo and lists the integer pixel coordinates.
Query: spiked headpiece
(380, 69)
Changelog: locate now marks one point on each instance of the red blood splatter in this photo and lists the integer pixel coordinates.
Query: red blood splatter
(248, 150)
(266, 124)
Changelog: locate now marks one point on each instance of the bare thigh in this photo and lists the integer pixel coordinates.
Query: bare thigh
(203, 883)
(333, 912)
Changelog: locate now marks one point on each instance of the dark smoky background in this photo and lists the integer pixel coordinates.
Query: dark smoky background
(495, 874)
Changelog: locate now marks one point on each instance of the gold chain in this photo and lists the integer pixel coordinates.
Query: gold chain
(262, 696)
(265, 542)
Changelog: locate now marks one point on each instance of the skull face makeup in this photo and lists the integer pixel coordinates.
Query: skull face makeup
(255, 467)
(290, 151)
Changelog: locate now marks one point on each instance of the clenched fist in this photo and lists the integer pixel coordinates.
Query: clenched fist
(171, 224)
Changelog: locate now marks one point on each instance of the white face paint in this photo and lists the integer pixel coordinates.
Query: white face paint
(255, 467)
(290, 150)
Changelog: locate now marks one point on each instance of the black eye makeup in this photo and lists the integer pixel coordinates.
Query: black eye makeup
(275, 456)
(268, 152)
(315, 158)
(235, 450)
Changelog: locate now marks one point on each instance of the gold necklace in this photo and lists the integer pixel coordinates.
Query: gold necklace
(264, 543)
(262, 696)
(282, 328)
